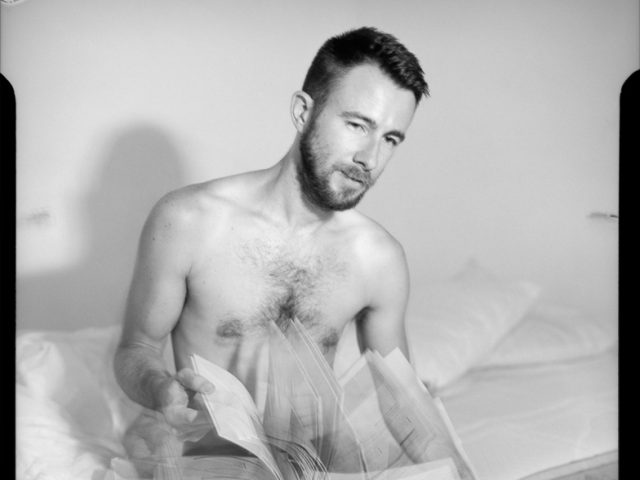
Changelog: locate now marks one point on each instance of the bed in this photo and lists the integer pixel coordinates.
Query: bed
(531, 388)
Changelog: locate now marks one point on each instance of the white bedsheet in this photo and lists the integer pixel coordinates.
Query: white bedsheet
(514, 422)
(70, 412)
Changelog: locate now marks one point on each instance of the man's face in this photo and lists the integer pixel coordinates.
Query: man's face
(347, 144)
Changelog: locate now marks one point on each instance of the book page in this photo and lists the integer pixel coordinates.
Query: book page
(454, 436)
(437, 470)
(380, 449)
(428, 437)
(293, 412)
(222, 467)
(378, 421)
(233, 413)
(339, 447)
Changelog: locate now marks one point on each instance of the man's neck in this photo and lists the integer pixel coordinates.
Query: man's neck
(285, 201)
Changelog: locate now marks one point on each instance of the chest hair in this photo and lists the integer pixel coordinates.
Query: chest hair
(297, 279)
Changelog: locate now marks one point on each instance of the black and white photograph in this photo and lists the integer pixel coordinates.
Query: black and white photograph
(337, 240)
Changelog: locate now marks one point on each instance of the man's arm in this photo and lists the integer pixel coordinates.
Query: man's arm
(156, 297)
(383, 329)
(382, 325)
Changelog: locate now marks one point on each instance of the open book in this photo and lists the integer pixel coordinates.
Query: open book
(377, 421)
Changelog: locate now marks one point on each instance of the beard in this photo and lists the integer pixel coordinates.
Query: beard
(315, 180)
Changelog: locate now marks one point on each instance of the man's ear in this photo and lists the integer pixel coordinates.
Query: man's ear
(301, 106)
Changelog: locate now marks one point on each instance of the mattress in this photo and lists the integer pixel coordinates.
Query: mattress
(541, 421)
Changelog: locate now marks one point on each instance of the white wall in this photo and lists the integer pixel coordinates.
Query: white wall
(121, 100)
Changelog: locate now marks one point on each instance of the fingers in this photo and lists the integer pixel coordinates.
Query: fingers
(191, 380)
(171, 393)
(178, 416)
(175, 397)
(198, 402)
(197, 429)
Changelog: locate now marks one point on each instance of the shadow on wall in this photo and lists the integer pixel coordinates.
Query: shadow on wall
(139, 167)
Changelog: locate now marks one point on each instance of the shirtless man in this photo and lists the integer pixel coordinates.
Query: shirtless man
(218, 261)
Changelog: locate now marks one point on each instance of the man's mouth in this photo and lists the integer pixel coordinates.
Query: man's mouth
(356, 176)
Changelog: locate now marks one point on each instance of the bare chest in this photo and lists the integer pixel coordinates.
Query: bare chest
(238, 291)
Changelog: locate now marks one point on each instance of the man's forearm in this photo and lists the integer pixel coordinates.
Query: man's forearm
(140, 371)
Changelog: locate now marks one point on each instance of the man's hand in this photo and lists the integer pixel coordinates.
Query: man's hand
(161, 432)
(174, 393)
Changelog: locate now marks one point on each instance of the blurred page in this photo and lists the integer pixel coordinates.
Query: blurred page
(233, 413)
(432, 407)
(380, 449)
(438, 470)
(377, 422)
(189, 468)
(293, 412)
(338, 448)
(218, 468)
(414, 416)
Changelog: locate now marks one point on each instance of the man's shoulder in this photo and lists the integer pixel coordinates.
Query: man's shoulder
(371, 240)
(212, 199)
(380, 258)
(189, 211)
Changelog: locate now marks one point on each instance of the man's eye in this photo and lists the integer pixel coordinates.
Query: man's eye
(356, 126)
(392, 141)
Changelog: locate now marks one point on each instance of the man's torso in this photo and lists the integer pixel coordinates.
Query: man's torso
(247, 272)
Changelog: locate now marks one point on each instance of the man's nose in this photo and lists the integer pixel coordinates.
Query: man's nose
(367, 155)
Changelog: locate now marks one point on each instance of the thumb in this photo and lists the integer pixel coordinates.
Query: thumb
(179, 415)
(192, 381)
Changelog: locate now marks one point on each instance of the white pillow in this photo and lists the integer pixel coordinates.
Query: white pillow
(452, 325)
(551, 334)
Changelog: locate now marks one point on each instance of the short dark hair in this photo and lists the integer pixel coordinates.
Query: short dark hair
(361, 46)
